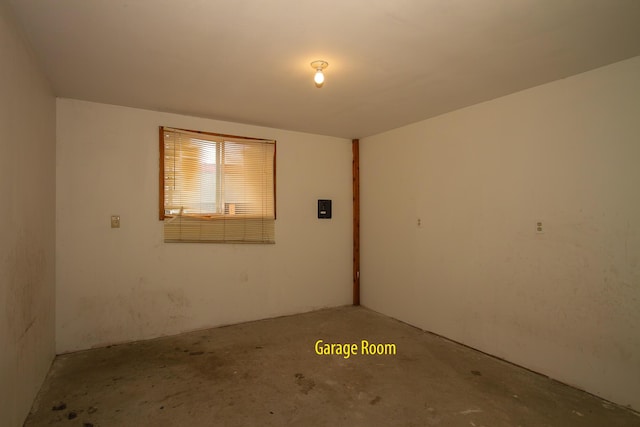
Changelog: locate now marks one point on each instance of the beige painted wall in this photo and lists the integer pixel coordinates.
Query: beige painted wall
(27, 228)
(116, 285)
(565, 303)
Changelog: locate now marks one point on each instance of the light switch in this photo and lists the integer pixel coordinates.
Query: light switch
(115, 221)
(324, 208)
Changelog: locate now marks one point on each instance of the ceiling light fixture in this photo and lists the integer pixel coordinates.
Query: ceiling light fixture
(319, 76)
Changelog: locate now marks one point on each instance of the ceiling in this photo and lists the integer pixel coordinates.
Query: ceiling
(391, 62)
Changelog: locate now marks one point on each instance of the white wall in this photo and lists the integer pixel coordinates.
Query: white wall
(27, 228)
(116, 285)
(565, 303)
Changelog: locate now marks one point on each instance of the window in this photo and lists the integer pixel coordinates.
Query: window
(216, 188)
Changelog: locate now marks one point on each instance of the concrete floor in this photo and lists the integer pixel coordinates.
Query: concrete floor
(267, 373)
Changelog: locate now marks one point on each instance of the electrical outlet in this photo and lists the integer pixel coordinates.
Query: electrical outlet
(115, 221)
(539, 228)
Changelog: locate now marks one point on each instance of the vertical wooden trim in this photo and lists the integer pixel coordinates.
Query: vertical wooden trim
(355, 145)
(161, 175)
(275, 199)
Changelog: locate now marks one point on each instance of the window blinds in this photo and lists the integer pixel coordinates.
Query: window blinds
(216, 188)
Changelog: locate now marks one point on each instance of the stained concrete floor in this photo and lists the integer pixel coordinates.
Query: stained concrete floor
(267, 373)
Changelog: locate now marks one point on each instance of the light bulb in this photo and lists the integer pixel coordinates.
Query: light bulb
(319, 78)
